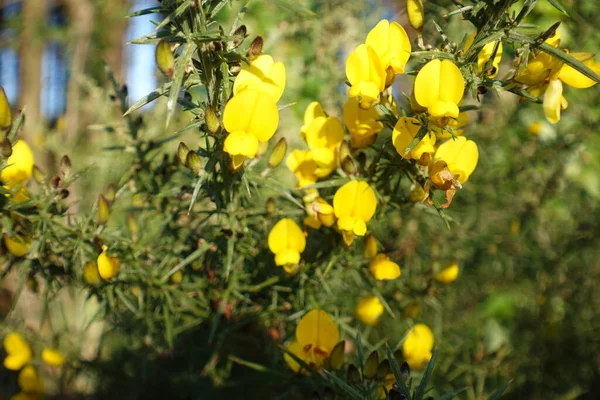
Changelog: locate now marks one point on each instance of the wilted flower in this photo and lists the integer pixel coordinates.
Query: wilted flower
(362, 124)
(383, 269)
(30, 381)
(368, 310)
(53, 357)
(18, 352)
(439, 87)
(286, 241)
(354, 205)
(108, 267)
(485, 54)
(448, 274)
(251, 117)
(262, 74)
(417, 346)
(461, 156)
(366, 75)
(316, 336)
(392, 45)
(17, 245)
(456, 125)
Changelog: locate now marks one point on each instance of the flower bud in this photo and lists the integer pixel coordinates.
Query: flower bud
(164, 58)
(370, 246)
(103, 210)
(193, 162)
(255, 48)
(270, 206)
(348, 166)
(440, 175)
(212, 121)
(38, 175)
(90, 273)
(5, 113)
(240, 31)
(416, 13)
(371, 365)
(182, 152)
(353, 374)
(383, 369)
(6, 148)
(336, 359)
(177, 277)
(65, 166)
(278, 153)
(111, 193)
(132, 226)
(108, 267)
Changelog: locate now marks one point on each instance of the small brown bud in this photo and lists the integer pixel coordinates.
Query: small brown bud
(255, 48)
(65, 166)
(212, 120)
(56, 181)
(193, 162)
(6, 148)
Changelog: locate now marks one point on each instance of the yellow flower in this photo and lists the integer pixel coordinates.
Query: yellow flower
(461, 155)
(17, 245)
(108, 267)
(370, 249)
(313, 111)
(354, 205)
(368, 310)
(320, 212)
(455, 124)
(301, 163)
(30, 381)
(5, 112)
(18, 352)
(576, 79)
(366, 75)
(417, 346)
(448, 274)
(262, 74)
(286, 241)
(53, 357)
(90, 273)
(316, 336)
(404, 132)
(18, 169)
(383, 269)
(439, 87)
(392, 45)
(323, 136)
(485, 54)
(250, 117)
(416, 14)
(362, 124)
(554, 101)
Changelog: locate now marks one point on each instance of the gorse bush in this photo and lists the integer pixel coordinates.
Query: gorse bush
(205, 260)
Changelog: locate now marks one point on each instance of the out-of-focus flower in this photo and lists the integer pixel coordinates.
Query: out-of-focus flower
(368, 310)
(370, 247)
(287, 242)
(251, 117)
(18, 170)
(354, 205)
(29, 381)
(448, 274)
(18, 352)
(316, 336)
(301, 163)
(383, 269)
(362, 124)
(417, 346)
(392, 45)
(439, 87)
(108, 267)
(416, 14)
(485, 54)
(323, 136)
(90, 273)
(366, 76)
(53, 357)
(313, 111)
(262, 74)
(17, 245)
(461, 156)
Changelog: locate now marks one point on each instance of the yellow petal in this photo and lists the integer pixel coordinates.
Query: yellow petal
(370, 246)
(418, 345)
(19, 166)
(262, 74)
(324, 132)
(461, 156)
(296, 349)
(416, 14)
(552, 101)
(29, 380)
(17, 245)
(383, 269)
(368, 310)
(252, 112)
(576, 79)
(404, 132)
(241, 143)
(391, 44)
(108, 267)
(314, 110)
(355, 199)
(53, 357)
(318, 329)
(448, 274)
(286, 240)
(366, 75)
(18, 351)
(439, 86)
(485, 54)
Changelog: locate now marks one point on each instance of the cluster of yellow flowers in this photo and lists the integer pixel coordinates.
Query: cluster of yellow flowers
(18, 358)
(251, 116)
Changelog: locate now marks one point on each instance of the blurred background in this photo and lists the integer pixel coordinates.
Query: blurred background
(525, 229)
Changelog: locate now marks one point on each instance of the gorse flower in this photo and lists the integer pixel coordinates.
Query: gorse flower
(418, 346)
(18, 170)
(448, 274)
(304, 167)
(362, 124)
(262, 74)
(313, 111)
(485, 54)
(370, 246)
(391, 44)
(461, 156)
(405, 130)
(17, 245)
(18, 352)
(354, 205)
(383, 269)
(366, 76)
(368, 310)
(316, 336)
(439, 87)
(108, 267)
(320, 212)
(30, 381)
(323, 136)
(287, 242)
(53, 357)
(90, 273)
